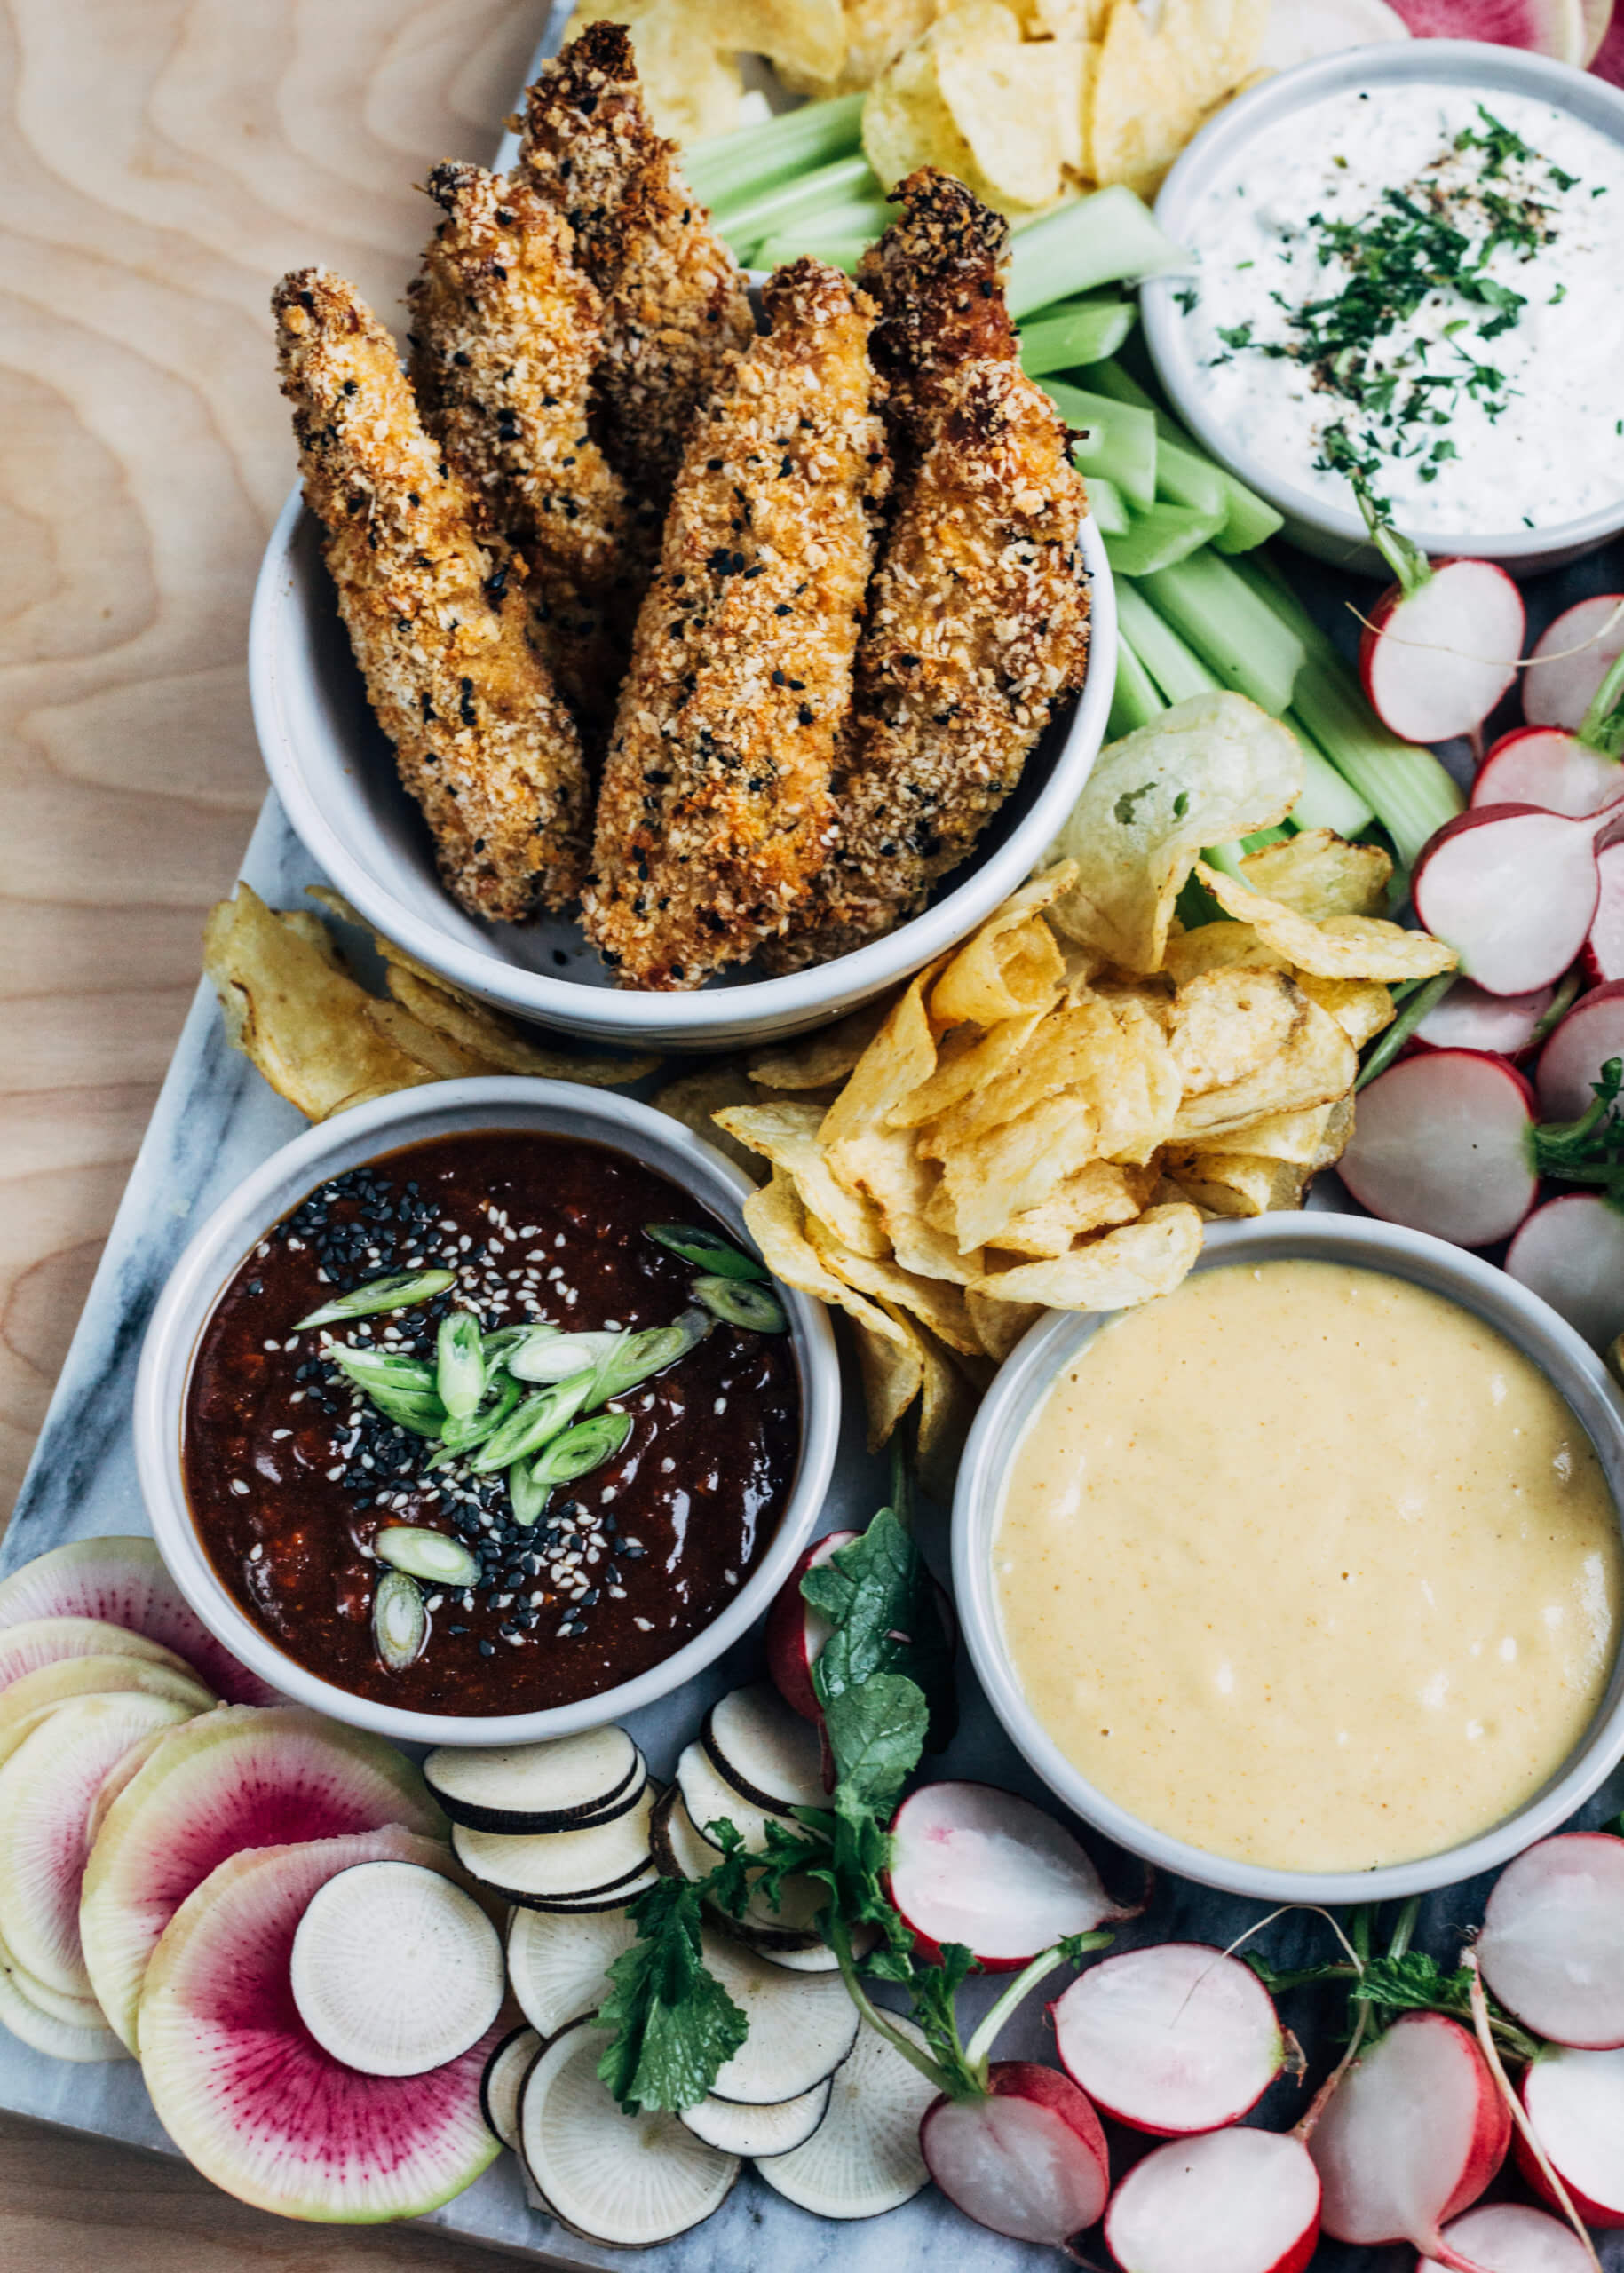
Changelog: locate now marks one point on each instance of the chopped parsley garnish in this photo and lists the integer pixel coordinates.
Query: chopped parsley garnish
(1189, 299)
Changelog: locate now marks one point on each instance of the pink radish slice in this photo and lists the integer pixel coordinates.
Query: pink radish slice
(1598, 21)
(1513, 890)
(1175, 2039)
(1029, 2161)
(1571, 1253)
(245, 2091)
(1571, 1060)
(123, 1580)
(1235, 2201)
(796, 1632)
(974, 1865)
(1608, 61)
(238, 1779)
(1441, 1141)
(1570, 659)
(1574, 2102)
(1604, 954)
(1509, 2237)
(1299, 29)
(1436, 660)
(1498, 1025)
(49, 1641)
(1554, 28)
(1552, 1945)
(1548, 767)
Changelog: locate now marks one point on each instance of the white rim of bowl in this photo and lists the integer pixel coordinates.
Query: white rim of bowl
(1525, 1320)
(223, 1244)
(618, 1012)
(1512, 68)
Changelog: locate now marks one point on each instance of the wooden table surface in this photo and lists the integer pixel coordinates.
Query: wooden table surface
(161, 162)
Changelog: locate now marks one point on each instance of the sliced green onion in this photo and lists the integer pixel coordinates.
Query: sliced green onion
(399, 1292)
(1134, 700)
(1118, 440)
(1108, 506)
(636, 1356)
(739, 1304)
(400, 1622)
(1079, 332)
(459, 1437)
(549, 1356)
(364, 1366)
(459, 1371)
(421, 1415)
(528, 1496)
(539, 1418)
(494, 1347)
(705, 1250)
(585, 1446)
(1159, 538)
(432, 1554)
(1104, 239)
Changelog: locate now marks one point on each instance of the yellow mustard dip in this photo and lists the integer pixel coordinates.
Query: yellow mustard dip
(1310, 1567)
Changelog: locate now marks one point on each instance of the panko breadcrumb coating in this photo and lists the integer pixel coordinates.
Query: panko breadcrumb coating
(438, 624)
(979, 614)
(714, 814)
(506, 331)
(674, 302)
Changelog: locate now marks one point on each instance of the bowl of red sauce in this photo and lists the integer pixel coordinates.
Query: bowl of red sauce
(473, 1416)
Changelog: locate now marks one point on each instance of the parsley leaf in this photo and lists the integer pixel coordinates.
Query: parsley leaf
(674, 2022)
(881, 1601)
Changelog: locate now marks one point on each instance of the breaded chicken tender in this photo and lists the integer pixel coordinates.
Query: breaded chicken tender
(674, 302)
(714, 809)
(506, 332)
(438, 624)
(979, 615)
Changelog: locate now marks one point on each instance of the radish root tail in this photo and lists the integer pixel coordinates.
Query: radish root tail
(1503, 2084)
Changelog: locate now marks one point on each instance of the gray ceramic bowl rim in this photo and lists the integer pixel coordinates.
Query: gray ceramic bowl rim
(610, 1015)
(1525, 1320)
(1508, 68)
(363, 1133)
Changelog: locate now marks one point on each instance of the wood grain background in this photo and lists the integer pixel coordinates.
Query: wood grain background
(161, 162)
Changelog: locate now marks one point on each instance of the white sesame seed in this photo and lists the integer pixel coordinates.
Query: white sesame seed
(239, 1487)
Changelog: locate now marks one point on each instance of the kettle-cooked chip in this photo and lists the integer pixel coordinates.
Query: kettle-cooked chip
(900, 1057)
(816, 1060)
(883, 1166)
(932, 1302)
(968, 1061)
(1320, 874)
(1089, 1200)
(787, 1134)
(1001, 1324)
(1235, 1183)
(1012, 964)
(1318, 1065)
(1343, 947)
(1112, 1271)
(1222, 946)
(1228, 1023)
(990, 1179)
(1016, 105)
(906, 123)
(1361, 1006)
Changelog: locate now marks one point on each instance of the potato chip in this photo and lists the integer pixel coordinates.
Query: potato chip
(1320, 874)
(1338, 1133)
(819, 1059)
(1090, 1200)
(499, 1045)
(1228, 33)
(1227, 1023)
(1361, 1006)
(1013, 965)
(1062, 19)
(1316, 1065)
(967, 1061)
(696, 1099)
(1343, 947)
(930, 1301)
(1218, 946)
(1009, 102)
(890, 1360)
(305, 924)
(446, 1059)
(1142, 107)
(1210, 769)
(1001, 1324)
(1000, 1174)
(787, 1134)
(946, 1409)
(1294, 1136)
(1110, 1056)
(776, 1220)
(882, 1164)
(877, 33)
(803, 35)
(1112, 1271)
(1235, 1183)
(906, 125)
(900, 1057)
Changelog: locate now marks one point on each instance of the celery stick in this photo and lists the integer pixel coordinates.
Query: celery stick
(1248, 521)
(1227, 858)
(806, 199)
(1111, 516)
(777, 252)
(1260, 837)
(1078, 332)
(1117, 441)
(1252, 520)
(754, 158)
(1159, 538)
(1177, 671)
(1133, 700)
(1327, 801)
(1097, 239)
(1185, 478)
(1231, 629)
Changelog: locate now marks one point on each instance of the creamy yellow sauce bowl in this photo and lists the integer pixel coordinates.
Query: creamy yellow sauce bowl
(1237, 1713)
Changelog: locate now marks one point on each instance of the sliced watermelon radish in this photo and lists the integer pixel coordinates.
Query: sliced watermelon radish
(1570, 659)
(1571, 1253)
(35, 1696)
(1552, 1943)
(123, 1580)
(47, 1790)
(240, 1778)
(47, 1641)
(1496, 1025)
(66, 2028)
(1548, 767)
(1571, 1060)
(123, 1771)
(1603, 952)
(1599, 22)
(1169, 2040)
(1443, 1142)
(245, 2091)
(1553, 28)
(972, 1865)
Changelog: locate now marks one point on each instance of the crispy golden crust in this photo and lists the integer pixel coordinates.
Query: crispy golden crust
(506, 331)
(483, 741)
(979, 614)
(675, 303)
(714, 807)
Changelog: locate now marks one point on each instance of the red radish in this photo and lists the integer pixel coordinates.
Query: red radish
(1575, 2102)
(1513, 890)
(1509, 2237)
(1235, 2201)
(1604, 954)
(1175, 2039)
(124, 1581)
(1608, 61)
(1570, 660)
(972, 1865)
(1410, 2137)
(796, 1632)
(1029, 2161)
(1570, 1252)
(1548, 767)
(1552, 1945)
(1571, 1060)
(1442, 643)
(1554, 28)
(1598, 23)
(1499, 1026)
(1443, 1142)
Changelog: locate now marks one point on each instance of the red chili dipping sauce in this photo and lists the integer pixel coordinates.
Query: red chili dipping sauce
(294, 1472)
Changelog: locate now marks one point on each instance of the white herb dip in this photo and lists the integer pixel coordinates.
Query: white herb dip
(1463, 348)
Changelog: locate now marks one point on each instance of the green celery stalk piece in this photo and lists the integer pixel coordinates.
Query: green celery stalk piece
(1104, 239)
(1133, 700)
(1161, 537)
(1176, 669)
(1118, 440)
(776, 252)
(1108, 505)
(1327, 801)
(731, 167)
(1248, 521)
(1234, 633)
(1077, 332)
(1185, 478)
(806, 199)
(1262, 836)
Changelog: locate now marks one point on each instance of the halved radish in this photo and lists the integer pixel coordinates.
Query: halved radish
(233, 1779)
(1548, 767)
(864, 2158)
(1554, 28)
(734, 2128)
(559, 1964)
(247, 2094)
(1029, 2161)
(765, 1750)
(711, 1798)
(502, 2083)
(1571, 1060)
(1552, 1943)
(796, 1632)
(1499, 1025)
(395, 1970)
(802, 2026)
(1604, 950)
(1514, 891)
(50, 1641)
(1574, 2102)
(1298, 29)
(1571, 1253)
(1442, 645)
(627, 2182)
(1410, 2137)
(1234, 2201)
(1443, 1142)
(1570, 658)
(35, 1696)
(972, 1865)
(1169, 2040)
(123, 1580)
(63, 2028)
(563, 1864)
(1509, 2237)
(521, 1787)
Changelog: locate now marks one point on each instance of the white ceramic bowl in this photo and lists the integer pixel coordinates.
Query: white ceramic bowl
(334, 773)
(1526, 1321)
(554, 1108)
(1332, 533)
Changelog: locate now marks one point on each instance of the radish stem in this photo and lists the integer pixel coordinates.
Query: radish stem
(1603, 723)
(932, 2071)
(1409, 564)
(1561, 1003)
(1424, 999)
(1491, 2052)
(978, 2050)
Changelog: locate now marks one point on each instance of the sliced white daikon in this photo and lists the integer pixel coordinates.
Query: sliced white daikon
(517, 1787)
(395, 1970)
(710, 1798)
(625, 2181)
(581, 1905)
(802, 2026)
(558, 1962)
(525, 1864)
(66, 2028)
(505, 2080)
(678, 1849)
(735, 2129)
(864, 2157)
(819, 1958)
(765, 1751)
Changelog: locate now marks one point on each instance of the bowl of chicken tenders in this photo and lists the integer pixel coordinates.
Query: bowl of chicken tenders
(666, 654)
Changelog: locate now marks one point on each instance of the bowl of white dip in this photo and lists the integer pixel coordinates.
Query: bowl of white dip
(1409, 258)
(1305, 1582)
